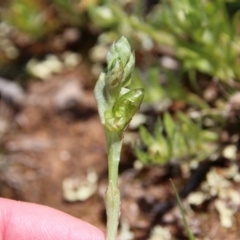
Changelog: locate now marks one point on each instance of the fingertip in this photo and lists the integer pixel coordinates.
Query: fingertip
(20, 220)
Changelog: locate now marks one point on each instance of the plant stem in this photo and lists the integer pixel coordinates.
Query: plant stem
(114, 147)
(112, 196)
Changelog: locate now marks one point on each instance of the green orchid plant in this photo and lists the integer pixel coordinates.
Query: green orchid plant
(117, 104)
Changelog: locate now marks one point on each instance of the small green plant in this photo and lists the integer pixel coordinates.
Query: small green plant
(172, 89)
(203, 41)
(30, 17)
(199, 39)
(117, 104)
(176, 140)
(38, 20)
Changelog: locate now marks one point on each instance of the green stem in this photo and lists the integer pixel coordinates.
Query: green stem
(112, 196)
(114, 147)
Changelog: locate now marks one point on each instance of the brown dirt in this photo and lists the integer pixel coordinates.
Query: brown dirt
(40, 137)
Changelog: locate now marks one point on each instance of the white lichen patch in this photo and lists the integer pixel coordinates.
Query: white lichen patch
(52, 64)
(225, 213)
(71, 59)
(197, 198)
(160, 233)
(125, 232)
(218, 185)
(76, 189)
(230, 152)
(137, 120)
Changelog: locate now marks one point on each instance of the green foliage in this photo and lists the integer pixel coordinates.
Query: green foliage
(199, 39)
(172, 89)
(176, 140)
(103, 17)
(150, 81)
(29, 17)
(205, 38)
(200, 32)
(123, 110)
(69, 11)
(37, 19)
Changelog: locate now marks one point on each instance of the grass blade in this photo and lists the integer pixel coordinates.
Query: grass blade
(189, 233)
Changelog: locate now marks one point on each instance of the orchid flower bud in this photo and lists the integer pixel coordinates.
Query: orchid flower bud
(118, 118)
(113, 78)
(128, 71)
(121, 51)
(116, 103)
